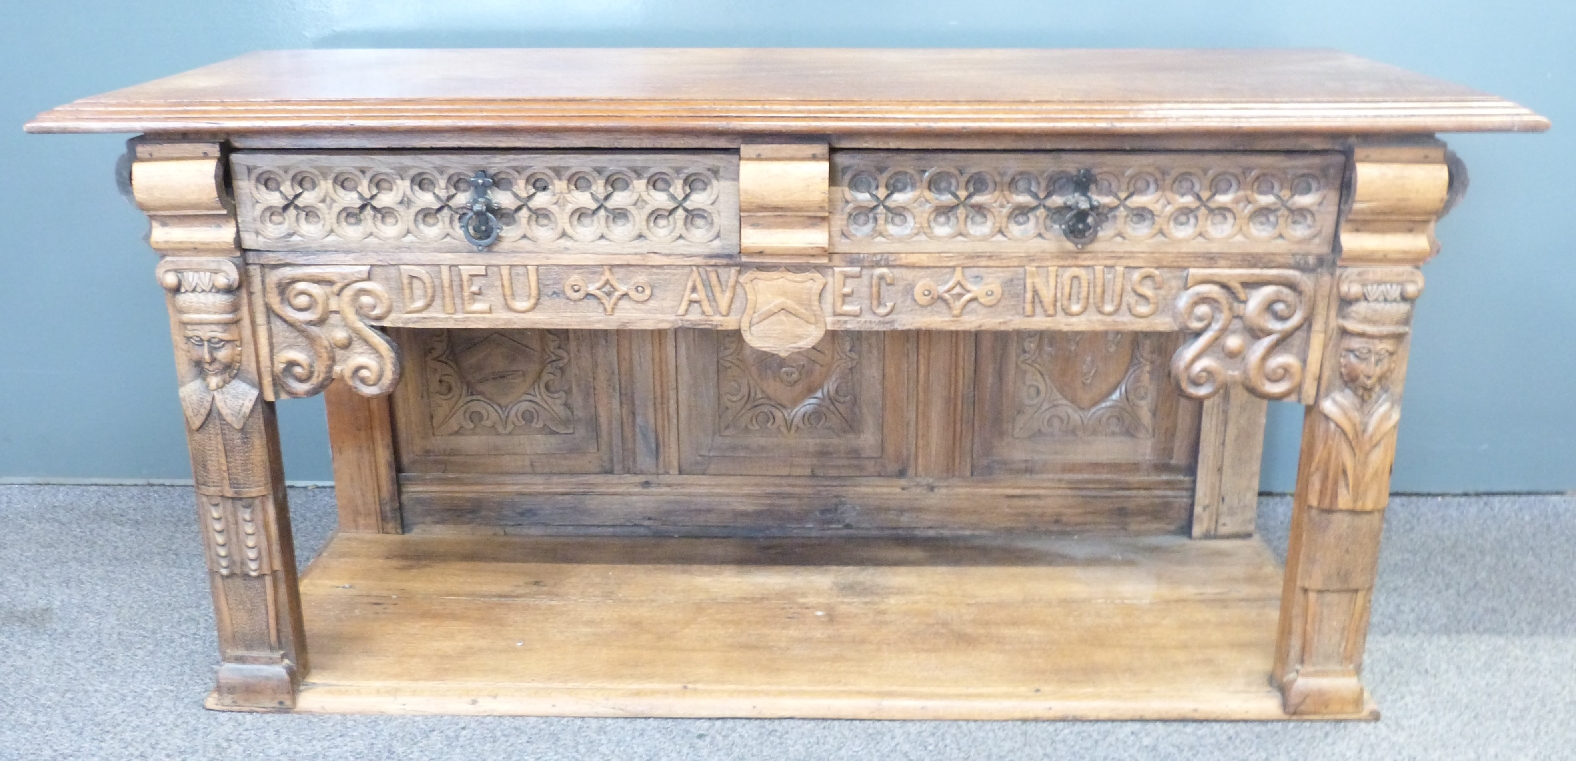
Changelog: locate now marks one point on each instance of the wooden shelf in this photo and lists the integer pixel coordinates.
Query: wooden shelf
(1000, 628)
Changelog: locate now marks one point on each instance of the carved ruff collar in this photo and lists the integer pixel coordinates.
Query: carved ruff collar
(235, 400)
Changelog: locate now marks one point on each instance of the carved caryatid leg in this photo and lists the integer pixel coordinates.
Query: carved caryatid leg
(1343, 486)
(229, 425)
(240, 487)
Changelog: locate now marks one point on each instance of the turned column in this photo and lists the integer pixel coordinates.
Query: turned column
(1349, 430)
(229, 425)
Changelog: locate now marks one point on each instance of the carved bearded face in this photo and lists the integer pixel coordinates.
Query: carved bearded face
(1366, 364)
(216, 350)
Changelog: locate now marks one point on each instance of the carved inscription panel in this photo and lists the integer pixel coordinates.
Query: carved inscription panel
(1251, 326)
(887, 201)
(782, 305)
(614, 202)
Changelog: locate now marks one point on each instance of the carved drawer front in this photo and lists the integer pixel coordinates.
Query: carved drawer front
(507, 401)
(922, 201)
(838, 408)
(582, 203)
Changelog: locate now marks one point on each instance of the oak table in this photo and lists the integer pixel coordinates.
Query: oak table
(822, 383)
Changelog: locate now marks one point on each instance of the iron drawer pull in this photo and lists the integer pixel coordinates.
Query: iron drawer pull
(1080, 215)
(478, 224)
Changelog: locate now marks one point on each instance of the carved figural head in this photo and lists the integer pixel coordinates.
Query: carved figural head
(1373, 325)
(210, 319)
(1366, 364)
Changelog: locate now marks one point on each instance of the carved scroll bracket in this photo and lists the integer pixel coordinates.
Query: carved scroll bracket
(319, 330)
(1250, 326)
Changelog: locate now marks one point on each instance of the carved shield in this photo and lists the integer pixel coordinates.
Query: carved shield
(1087, 368)
(501, 367)
(782, 311)
(789, 380)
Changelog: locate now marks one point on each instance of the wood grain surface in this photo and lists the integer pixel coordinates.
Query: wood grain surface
(1003, 628)
(789, 91)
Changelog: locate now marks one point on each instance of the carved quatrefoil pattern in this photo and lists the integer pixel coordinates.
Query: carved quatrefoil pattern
(978, 201)
(545, 202)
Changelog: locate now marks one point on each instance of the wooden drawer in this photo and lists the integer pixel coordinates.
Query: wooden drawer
(610, 202)
(983, 201)
(624, 202)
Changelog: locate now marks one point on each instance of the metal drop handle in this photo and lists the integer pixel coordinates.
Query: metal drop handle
(478, 223)
(1080, 216)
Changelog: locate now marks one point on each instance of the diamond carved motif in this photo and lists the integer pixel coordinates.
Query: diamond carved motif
(607, 290)
(958, 292)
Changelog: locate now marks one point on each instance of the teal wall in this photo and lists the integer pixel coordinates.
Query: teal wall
(86, 376)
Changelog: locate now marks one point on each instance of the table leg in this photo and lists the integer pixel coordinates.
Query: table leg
(239, 483)
(1343, 486)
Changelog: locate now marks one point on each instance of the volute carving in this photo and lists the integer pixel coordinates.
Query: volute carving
(320, 332)
(1245, 320)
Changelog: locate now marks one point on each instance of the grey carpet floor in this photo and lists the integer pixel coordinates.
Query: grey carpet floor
(106, 648)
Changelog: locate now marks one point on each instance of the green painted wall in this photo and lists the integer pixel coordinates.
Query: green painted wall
(86, 376)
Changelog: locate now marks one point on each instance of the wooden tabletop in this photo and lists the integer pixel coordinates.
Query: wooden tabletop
(795, 91)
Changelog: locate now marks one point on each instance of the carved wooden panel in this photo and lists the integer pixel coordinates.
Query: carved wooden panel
(837, 408)
(886, 201)
(612, 202)
(1051, 402)
(773, 306)
(507, 401)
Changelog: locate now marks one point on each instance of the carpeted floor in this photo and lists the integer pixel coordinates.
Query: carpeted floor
(106, 646)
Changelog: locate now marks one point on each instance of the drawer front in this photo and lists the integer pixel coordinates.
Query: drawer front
(610, 202)
(978, 202)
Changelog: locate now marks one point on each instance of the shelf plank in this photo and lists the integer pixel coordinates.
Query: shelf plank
(974, 628)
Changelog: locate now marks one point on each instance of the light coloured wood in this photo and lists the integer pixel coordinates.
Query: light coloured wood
(656, 296)
(1044, 400)
(1343, 487)
(838, 408)
(514, 401)
(837, 420)
(1231, 444)
(1008, 202)
(1271, 257)
(648, 378)
(239, 485)
(1397, 195)
(180, 187)
(944, 387)
(563, 201)
(361, 439)
(579, 140)
(796, 91)
(1080, 499)
(1160, 259)
(783, 190)
(809, 628)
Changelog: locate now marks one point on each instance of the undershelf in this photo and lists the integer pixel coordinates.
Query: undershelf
(1004, 628)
